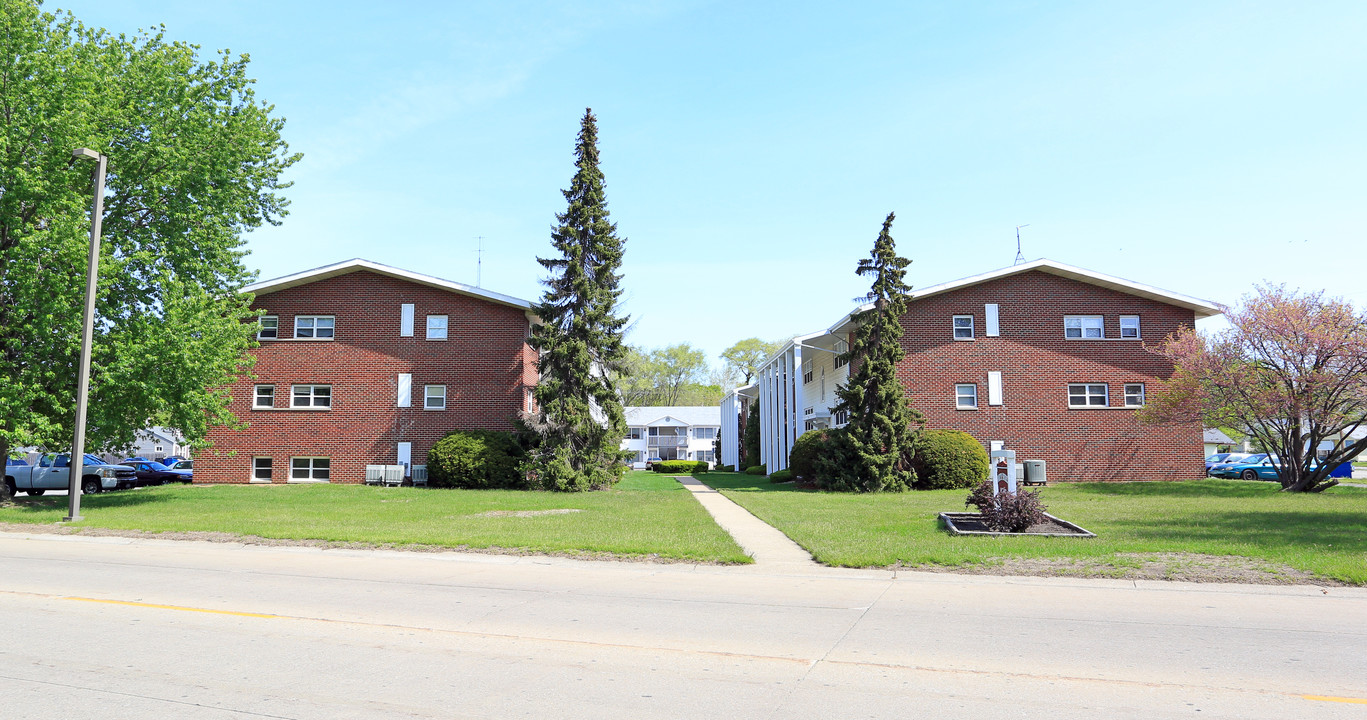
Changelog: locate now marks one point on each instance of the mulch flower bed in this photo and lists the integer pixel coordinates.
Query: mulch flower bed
(967, 523)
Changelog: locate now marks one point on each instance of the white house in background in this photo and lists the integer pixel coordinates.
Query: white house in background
(672, 432)
(155, 443)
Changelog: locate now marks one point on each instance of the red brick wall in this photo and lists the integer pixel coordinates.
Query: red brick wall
(485, 365)
(1037, 364)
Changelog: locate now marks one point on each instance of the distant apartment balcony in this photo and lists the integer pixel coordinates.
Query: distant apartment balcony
(668, 441)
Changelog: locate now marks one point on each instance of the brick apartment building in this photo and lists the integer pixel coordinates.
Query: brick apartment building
(1042, 358)
(364, 364)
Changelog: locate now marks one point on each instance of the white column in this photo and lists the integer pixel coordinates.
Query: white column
(762, 409)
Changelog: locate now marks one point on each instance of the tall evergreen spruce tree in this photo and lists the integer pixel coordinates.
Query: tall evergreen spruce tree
(578, 421)
(874, 450)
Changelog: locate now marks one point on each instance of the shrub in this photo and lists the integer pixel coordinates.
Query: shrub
(779, 476)
(686, 467)
(949, 459)
(802, 460)
(725, 468)
(755, 470)
(1006, 512)
(476, 459)
(750, 447)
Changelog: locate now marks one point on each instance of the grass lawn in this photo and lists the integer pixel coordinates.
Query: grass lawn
(646, 514)
(1323, 534)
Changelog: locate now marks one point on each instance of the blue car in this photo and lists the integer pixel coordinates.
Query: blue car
(1224, 469)
(1223, 459)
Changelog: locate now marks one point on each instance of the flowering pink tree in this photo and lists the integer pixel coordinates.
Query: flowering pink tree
(1291, 371)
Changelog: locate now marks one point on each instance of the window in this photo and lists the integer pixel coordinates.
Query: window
(841, 347)
(406, 320)
(436, 327)
(264, 397)
(309, 468)
(270, 328)
(317, 327)
(966, 396)
(963, 327)
(807, 375)
(261, 468)
(634, 433)
(708, 455)
(1088, 395)
(1134, 394)
(842, 417)
(311, 396)
(1077, 327)
(434, 397)
(704, 433)
(1129, 326)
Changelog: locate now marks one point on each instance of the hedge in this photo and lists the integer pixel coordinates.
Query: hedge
(756, 470)
(779, 476)
(948, 459)
(476, 459)
(686, 467)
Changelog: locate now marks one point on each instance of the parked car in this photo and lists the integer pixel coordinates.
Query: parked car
(15, 462)
(184, 468)
(169, 461)
(1222, 468)
(151, 472)
(53, 472)
(1220, 458)
(648, 464)
(1263, 466)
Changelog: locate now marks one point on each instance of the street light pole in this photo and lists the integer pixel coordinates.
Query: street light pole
(83, 378)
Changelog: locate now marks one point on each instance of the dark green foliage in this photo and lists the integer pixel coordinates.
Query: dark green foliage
(751, 444)
(802, 460)
(949, 459)
(1005, 511)
(876, 446)
(780, 476)
(756, 470)
(579, 419)
(726, 468)
(476, 459)
(680, 466)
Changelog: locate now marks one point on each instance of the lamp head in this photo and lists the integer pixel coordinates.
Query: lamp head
(79, 153)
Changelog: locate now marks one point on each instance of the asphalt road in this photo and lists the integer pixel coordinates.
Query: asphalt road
(119, 628)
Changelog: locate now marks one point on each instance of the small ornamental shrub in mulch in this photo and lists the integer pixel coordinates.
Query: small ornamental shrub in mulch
(1006, 511)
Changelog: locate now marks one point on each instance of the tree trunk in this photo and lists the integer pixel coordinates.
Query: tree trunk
(5, 495)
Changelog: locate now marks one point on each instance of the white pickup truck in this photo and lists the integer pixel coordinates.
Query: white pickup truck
(53, 472)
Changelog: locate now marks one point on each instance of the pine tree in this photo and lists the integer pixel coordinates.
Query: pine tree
(875, 447)
(578, 421)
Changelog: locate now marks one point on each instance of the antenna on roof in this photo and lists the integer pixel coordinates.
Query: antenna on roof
(479, 261)
(1020, 258)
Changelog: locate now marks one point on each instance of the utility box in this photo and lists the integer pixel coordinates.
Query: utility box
(1002, 467)
(1035, 473)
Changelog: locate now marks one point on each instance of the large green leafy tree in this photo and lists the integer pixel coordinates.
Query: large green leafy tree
(579, 421)
(876, 446)
(746, 356)
(194, 161)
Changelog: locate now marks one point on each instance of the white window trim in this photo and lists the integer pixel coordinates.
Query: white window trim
(256, 397)
(1138, 329)
(994, 387)
(426, 395)
(445, 327)
(1082, 327)
(261, 327)
(971, 327)
(1087, 394)
(311, 406)
(959, 396)
(254, 478)
(404, 390)
(992, 326)
(310, 478)
(315, 319)
(1143, 395)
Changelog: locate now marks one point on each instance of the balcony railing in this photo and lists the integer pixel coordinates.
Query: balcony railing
(668, 441)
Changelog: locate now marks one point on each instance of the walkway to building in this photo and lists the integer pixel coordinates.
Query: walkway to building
(761, 541)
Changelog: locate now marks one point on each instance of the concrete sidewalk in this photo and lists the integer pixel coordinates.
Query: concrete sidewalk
(761, 541)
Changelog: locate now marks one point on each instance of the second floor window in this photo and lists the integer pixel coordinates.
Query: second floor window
(1082, 327)
(963, 327)
(966, 396)
(317, 327)
(311, 396)
(1134, 394)
(270, 328)
(264, 397)
(704, 433)
(436, 327)
(807, 375)
(841, 347)
(1088, 395)
(1129, 326)
(634, 433)
(434, 397)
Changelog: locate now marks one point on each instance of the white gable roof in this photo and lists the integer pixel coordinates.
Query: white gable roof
(673, 416)
(357, 264)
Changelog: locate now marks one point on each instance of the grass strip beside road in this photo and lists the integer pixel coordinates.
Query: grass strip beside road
(1322, 534)
(646, 515)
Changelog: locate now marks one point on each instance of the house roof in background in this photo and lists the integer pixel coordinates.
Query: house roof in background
(1214, 435)
(673, 415)
(357, 265)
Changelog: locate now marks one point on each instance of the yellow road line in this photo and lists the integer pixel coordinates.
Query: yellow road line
(173, 607)
(1327, 698)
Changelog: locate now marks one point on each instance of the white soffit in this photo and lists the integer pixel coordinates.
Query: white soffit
(358, 264)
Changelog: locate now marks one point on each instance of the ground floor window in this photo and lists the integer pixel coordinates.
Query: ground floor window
(707, 455)
(966, 396)
(261, 468)
(1134, 394)
(1088, 395)
(309, 468)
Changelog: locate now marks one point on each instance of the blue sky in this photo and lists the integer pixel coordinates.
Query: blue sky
(752, 150)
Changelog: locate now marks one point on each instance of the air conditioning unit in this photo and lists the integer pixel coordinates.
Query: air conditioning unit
(419, 475)
(374, 474)
(1035, 473)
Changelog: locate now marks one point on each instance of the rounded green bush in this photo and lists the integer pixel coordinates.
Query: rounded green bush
(680, 466)
(476, 459)
(948, 459)
(779, 476)
(802, 459)
(756, 470)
